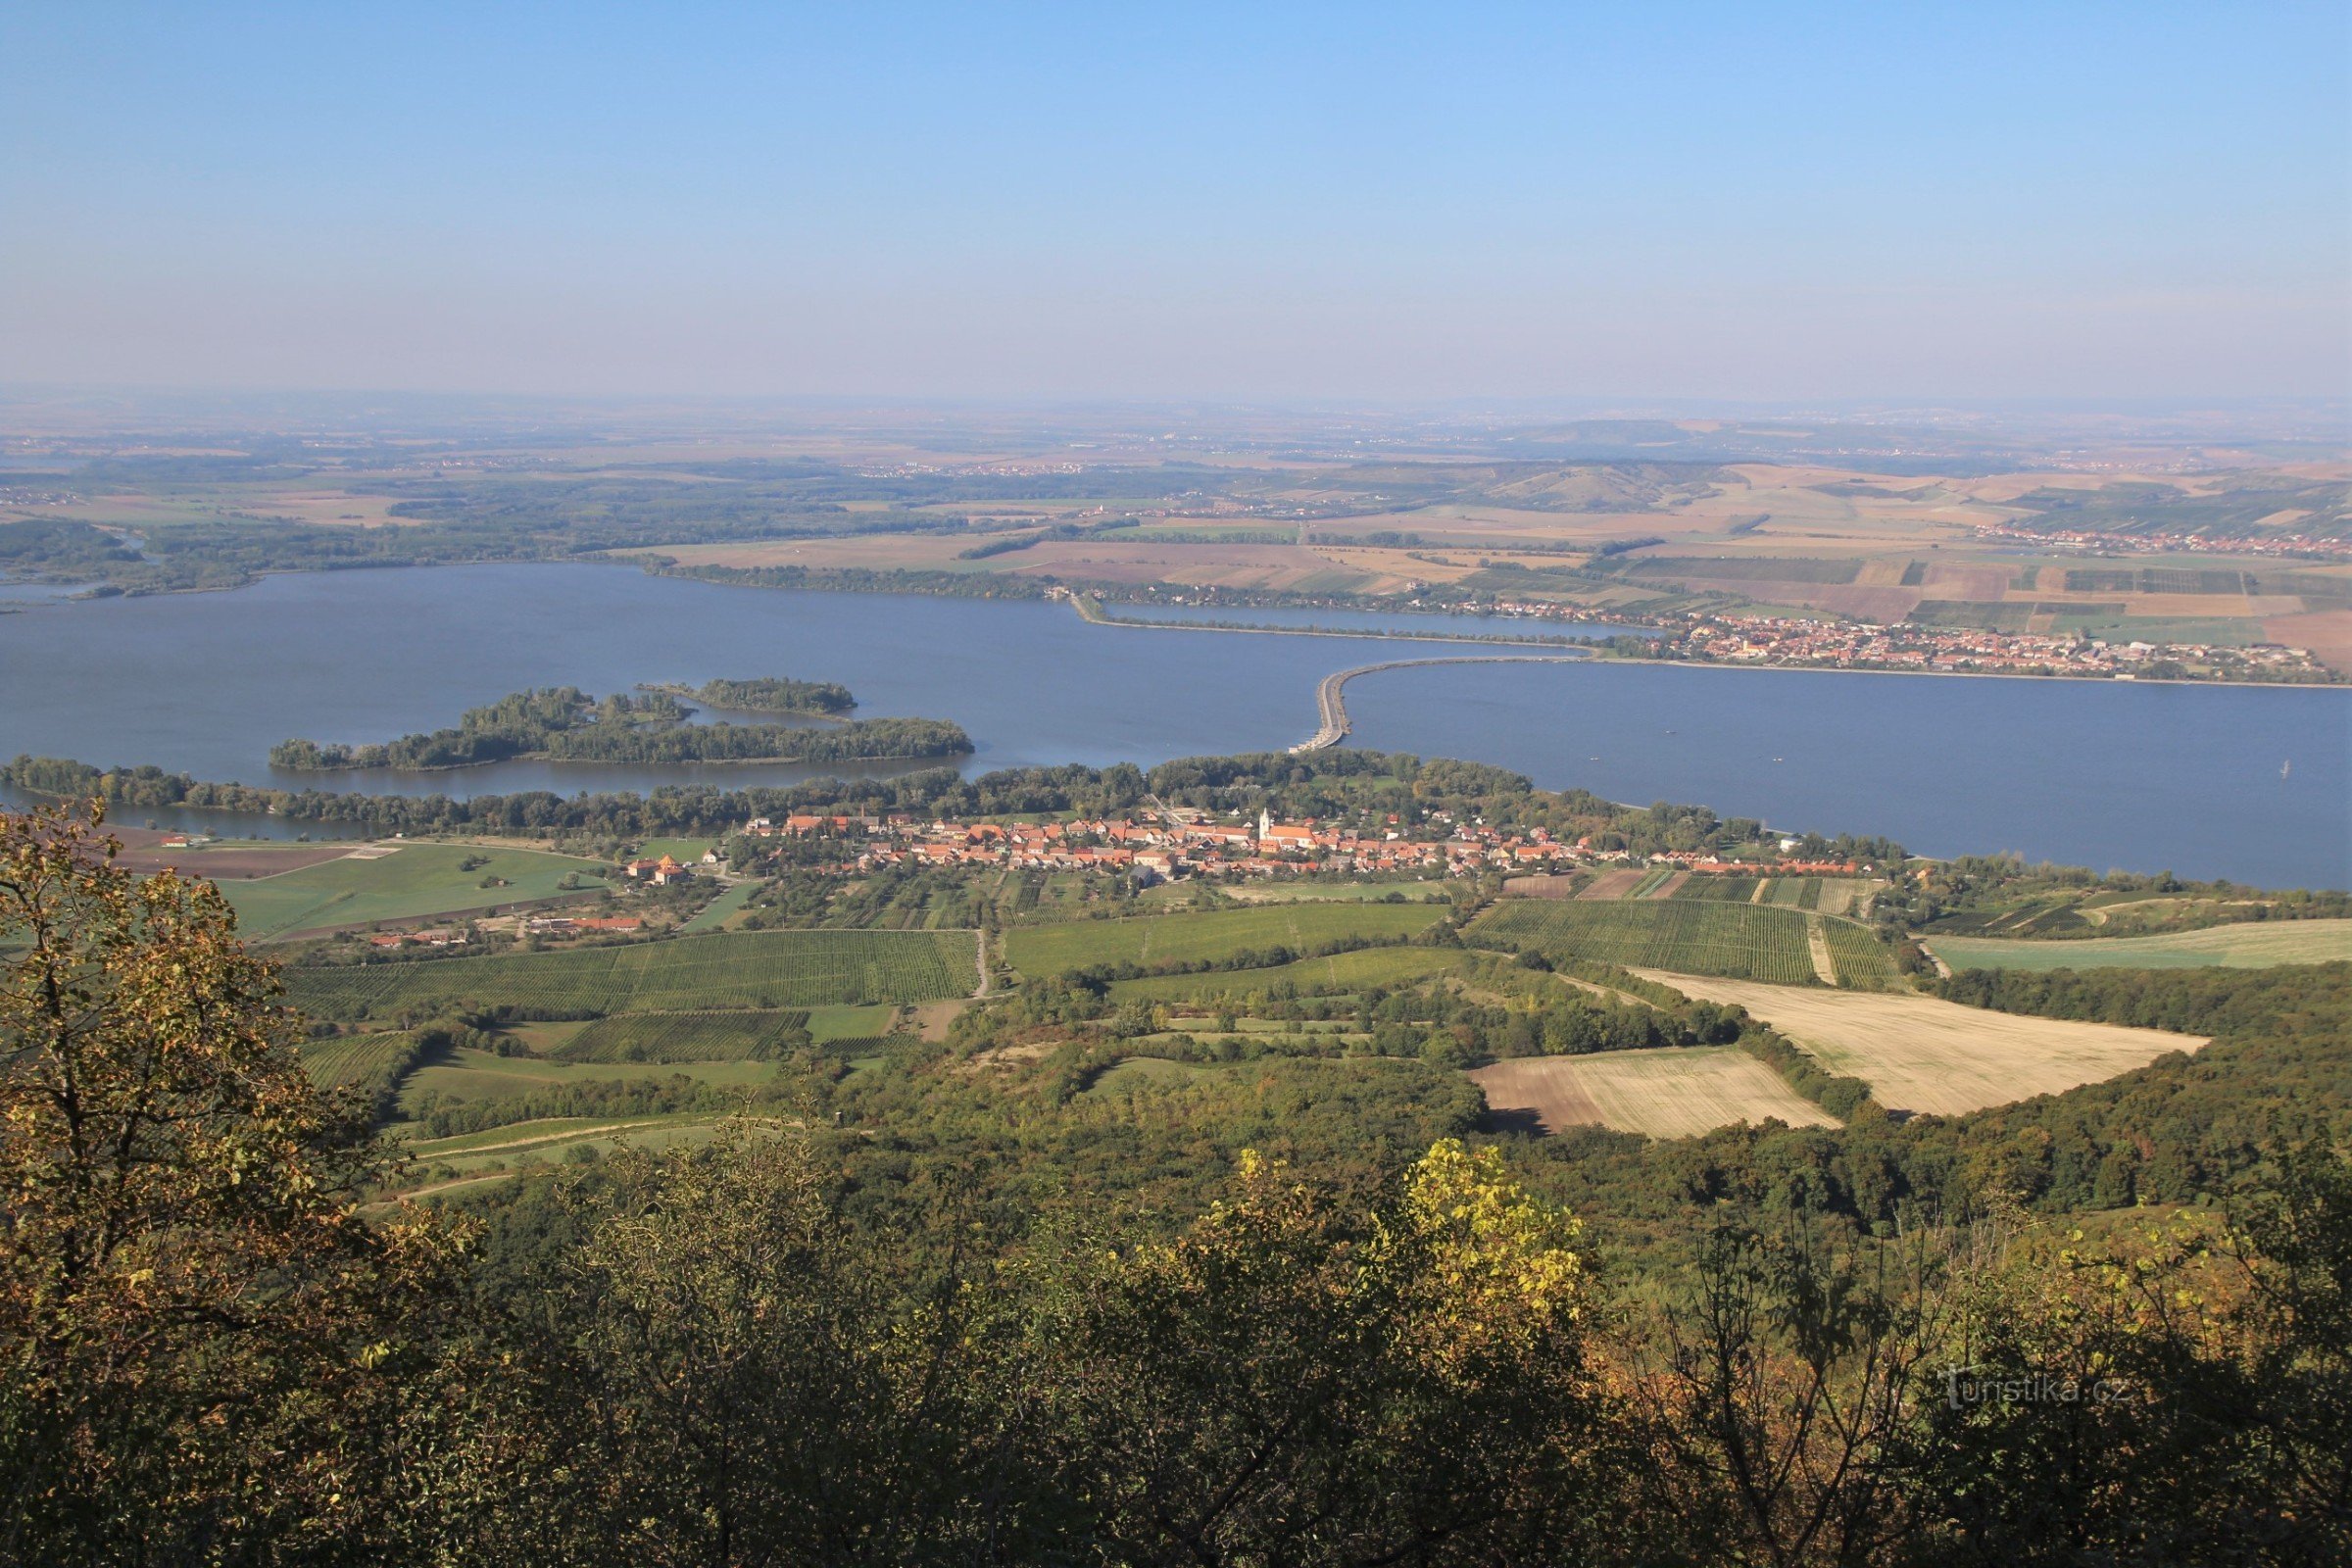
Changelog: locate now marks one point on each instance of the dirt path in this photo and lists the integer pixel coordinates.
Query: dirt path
(1817, 936)
(980, 934)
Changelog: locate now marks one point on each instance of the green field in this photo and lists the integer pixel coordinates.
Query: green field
(683, 1037)
(2250, 944)
(1704, 936)
(473, 1076)
(414, 882)
(501, 1151)
(1861, 958)
(828, 1024)
(1718, 889)
(746, 969)
(1793, 892)
(1044, 950)
(1341, 973)
(715, 915)
(373, 1062)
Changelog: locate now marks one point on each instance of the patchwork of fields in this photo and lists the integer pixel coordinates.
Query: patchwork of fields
(1673, 1093)
(751, 970)
(1045, 949)
(2252, 945)
(414, 881)
(1926, 1054)
(1689, 936)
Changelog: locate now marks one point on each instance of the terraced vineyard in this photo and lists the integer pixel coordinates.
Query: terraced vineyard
(1688, 936)
(683, 1037)
(734, 970)
(1045, 949)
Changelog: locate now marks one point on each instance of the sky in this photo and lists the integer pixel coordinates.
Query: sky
(1743, 203)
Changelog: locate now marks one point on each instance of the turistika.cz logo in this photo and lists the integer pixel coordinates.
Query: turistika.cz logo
(1964, 1386)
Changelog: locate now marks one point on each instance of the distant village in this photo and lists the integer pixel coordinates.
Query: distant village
(1174, 844)
(1962, 650)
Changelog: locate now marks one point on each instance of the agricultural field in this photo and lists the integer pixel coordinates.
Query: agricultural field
(1860, 959)
(1689, 936)
(738, 1036)
(373, 1062)
(473, 1159)
(408, 882)
(829, 1024)
(1340, 974)
(746, 969)
(1673, 1093)
(2250, 944)
(1922, 1054)
(1298, 892)
(716, 914)
(1045, 950)
(472, 1077)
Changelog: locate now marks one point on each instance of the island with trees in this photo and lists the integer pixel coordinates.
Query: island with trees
(562, 723)
(772, 694)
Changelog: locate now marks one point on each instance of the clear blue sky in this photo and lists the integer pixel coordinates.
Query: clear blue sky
(1760, 202)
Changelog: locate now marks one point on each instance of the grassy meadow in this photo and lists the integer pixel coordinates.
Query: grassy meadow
(2250, 944)
(414, 881)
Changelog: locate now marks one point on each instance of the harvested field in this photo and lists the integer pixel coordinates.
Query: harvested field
(1614, 884)
(2249, 945)
(1926, 1054)
(221, 863)
(2328, 633)
(1548, 885)
(1675, 1092)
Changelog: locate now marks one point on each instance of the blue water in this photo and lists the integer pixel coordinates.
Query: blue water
(2147, 777)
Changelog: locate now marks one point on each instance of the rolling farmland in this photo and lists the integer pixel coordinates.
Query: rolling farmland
(413, 882)
(371, 1063)
(751, 970)
(1927, 1055)
(682, 1036)
(1672, 1093)
(1044, 950)
(1341, 972)
(1689, 936)
(2252, 945)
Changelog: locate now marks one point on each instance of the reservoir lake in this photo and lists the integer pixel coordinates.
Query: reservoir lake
(2142, 777)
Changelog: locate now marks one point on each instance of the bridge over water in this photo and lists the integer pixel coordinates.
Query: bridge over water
(1331, 702)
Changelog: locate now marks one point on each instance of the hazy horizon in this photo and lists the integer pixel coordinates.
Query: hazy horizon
(1393, 206)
